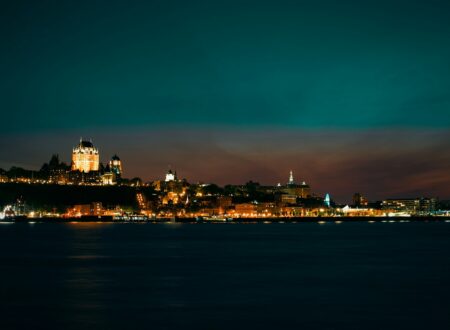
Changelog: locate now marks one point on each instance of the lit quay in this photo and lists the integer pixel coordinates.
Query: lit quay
(89, 190)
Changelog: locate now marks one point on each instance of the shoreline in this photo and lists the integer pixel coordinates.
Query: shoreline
(280, 220)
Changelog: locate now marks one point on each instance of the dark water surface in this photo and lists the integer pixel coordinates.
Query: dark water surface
(225, 276)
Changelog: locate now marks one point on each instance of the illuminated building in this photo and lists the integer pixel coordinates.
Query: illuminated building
(224, 203)
(327, 200)
(170, 197)
(168, 183)
(93, 209)
(246, 209)
(410, 205)
(288, 199)
(360, 212)
(405, 205)
(108, 178)
(85, 157)
(291, 178)
(173, 190)
(299, 190)
(171, 176)
(115, 165)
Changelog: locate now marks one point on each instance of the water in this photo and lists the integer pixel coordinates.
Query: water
(225, 276)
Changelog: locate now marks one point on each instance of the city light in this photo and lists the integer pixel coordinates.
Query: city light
(175, 197)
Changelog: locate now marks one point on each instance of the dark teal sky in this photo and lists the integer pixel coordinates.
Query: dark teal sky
(77, 64)
(333, 71)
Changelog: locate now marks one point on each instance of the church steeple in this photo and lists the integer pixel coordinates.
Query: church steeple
(291, 177)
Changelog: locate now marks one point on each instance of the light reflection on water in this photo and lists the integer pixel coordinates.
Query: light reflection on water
(112, 276)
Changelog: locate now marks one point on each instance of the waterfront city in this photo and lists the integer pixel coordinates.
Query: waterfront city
(217, 165)
(85, 188)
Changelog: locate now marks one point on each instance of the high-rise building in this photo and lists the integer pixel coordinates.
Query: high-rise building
(85, 157)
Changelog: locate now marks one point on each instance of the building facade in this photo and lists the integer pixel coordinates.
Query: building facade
(410, 205)
(301, 190)
(85, 157)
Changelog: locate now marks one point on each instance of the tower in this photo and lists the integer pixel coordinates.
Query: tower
(85, 157)
(171, 176)
(327, 200)
(115, 165)
(291, 178)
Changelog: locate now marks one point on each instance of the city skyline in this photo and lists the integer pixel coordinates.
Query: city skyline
(311, 170)
(217, 164)
(352, 96)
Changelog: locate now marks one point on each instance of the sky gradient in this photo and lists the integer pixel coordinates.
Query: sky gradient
(351, 95)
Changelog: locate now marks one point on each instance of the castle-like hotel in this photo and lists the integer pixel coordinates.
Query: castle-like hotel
(86, 161)
(85, 157)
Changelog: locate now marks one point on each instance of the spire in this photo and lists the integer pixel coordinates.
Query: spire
(327, 200)
(291, 177)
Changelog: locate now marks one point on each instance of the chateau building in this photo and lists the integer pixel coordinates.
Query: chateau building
(85, 157)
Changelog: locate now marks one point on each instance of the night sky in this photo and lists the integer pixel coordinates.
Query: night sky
(351, 95)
